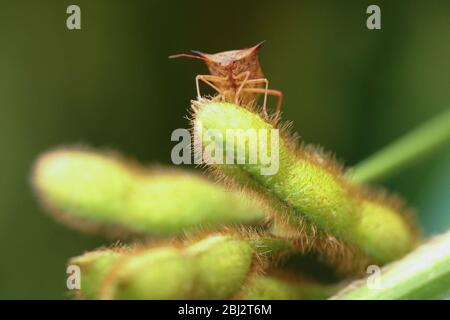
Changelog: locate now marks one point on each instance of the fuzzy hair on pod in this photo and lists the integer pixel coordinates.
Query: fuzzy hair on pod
(215, 266)
(310, 200)
(104, 193)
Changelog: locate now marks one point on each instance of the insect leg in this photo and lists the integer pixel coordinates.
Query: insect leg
(207, 79)
(270, 92)
(245, 75)
(266, 82)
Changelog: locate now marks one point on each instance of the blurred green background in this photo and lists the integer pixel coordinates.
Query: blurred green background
(111, 85)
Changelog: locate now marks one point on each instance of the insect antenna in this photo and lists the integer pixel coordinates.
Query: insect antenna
(197, 55)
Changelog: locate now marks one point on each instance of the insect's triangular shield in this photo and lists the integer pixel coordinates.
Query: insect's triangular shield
(258, 46)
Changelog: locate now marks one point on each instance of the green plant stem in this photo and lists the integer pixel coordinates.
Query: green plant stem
(405, 151)
(422, 274)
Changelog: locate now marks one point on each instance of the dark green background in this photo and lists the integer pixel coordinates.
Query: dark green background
(346, 88)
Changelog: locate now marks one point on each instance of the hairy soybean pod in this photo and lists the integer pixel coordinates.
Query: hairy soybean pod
(218, 266)
(214, 267)
(97, 191)
(309, 197)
